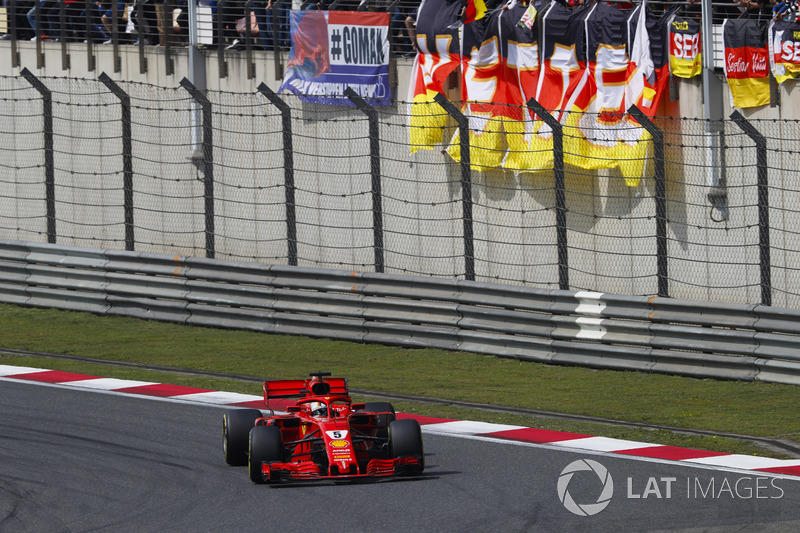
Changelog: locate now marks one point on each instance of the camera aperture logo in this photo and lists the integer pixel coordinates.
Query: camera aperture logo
(585, 509)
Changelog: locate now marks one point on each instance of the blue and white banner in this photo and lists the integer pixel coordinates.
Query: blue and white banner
(333, 50)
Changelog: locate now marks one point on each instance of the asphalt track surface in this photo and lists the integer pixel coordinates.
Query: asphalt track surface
(85, 461)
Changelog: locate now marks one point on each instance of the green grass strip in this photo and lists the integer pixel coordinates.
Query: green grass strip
(754, 409)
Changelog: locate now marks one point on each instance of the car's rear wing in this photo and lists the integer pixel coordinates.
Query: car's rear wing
(289, 388)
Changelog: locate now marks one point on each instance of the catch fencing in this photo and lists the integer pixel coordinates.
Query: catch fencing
(268, 179)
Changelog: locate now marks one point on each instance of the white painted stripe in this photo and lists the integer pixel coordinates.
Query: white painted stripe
(6, 370)
(746, 462)
(603, 444)
(463, 427)
(590, 303)
(109, 383)
(219, 397)
(591, 328)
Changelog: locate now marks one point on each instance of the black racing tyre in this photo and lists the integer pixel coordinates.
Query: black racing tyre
(265, 447)
(405, 439)
(236, 426)
(381, 407)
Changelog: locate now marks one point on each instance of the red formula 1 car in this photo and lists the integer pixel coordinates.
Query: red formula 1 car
(324, 435)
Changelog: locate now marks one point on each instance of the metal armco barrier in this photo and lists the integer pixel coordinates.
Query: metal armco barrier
(655, 334)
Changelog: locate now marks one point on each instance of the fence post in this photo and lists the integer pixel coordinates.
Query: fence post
(248, 41)
(12, 29)
(49, 166)
(142, 37)
(208, 162)
(561, 196)
(88, 6)
(62, 20)
(276, 37)
(166, 20)
(222, 6)
(375, 170)
(661, 197)
(37, 6)
(288, 170)
(466, 182)
(127, 157)
(115, 15)
(762, 184)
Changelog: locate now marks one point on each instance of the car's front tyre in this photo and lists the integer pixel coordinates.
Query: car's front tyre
(405, 439)
(236, 426)
(265, 447)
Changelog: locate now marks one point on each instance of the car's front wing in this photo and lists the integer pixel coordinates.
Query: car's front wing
(303, 470)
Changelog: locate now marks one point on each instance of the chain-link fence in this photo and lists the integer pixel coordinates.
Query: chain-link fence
(266, 178)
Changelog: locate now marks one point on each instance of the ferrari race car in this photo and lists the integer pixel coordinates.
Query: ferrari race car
(324, 435)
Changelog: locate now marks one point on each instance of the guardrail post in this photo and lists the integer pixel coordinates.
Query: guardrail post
(127, 157)
(208, 161)
(561, 196)
(466, 183)
(661, 197)
(375, 170)
(288, 170)
(763, 205)
(49, 166)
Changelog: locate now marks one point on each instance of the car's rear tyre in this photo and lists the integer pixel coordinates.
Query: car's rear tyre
(265, 447)
(236, 426)
(381, 420)
(405, 439)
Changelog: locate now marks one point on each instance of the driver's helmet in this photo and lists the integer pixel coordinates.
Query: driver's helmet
(319, 409)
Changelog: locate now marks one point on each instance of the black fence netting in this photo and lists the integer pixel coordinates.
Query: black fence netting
(272, 179)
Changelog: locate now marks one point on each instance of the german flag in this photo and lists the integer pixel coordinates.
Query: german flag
(439, 55)
(500, 55)
(598, 132)
(555, 80)
(785, 50)
(685, 47)
(475, 10)
(746, 61)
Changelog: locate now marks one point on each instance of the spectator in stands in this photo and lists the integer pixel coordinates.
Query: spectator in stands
(72, 13)
(231, 11)
(108, 19)
(404, 33)
(755, 8)
(144, 13)
(43, 6)
(20, 10)
(410, 23)
(279, 9)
